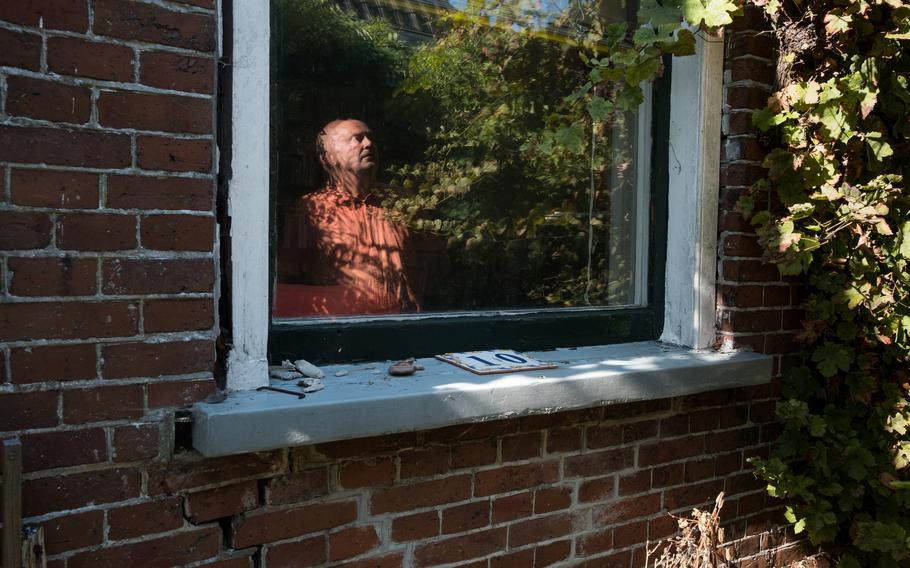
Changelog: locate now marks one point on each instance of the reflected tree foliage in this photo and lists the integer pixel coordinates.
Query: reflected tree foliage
(512, 137)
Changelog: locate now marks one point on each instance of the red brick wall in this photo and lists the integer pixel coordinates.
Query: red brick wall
(107, 323)
(757, 308)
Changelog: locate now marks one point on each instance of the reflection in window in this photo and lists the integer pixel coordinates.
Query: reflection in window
(432, 157)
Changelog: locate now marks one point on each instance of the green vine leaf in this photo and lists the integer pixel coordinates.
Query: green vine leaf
(831, 358)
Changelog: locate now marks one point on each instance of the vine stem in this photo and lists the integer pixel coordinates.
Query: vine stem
(590, 215)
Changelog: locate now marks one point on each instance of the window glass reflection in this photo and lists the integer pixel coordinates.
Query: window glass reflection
(431, 157)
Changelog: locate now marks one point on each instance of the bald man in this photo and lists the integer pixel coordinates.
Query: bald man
(349, 256)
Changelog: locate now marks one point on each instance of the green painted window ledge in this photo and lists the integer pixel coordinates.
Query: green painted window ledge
(366, 401)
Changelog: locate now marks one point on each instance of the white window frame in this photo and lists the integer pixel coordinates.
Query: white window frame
(694, 159)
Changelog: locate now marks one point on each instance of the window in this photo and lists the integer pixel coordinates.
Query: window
(449, 192)
(521, 327)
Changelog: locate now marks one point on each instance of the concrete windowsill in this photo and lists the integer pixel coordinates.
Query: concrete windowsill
(368, 402)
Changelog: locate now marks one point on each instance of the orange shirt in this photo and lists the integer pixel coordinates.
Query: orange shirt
(344, 256)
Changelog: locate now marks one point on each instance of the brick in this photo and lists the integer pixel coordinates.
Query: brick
(512, 507)
(61, 147)
(21, 50)
(559, 419)
(24, 230)
(366, 447)
(50, 450)
(667, 451)
(60, 190)
(746, 97)
(750, 271)
(728, 463)
(552, 499)
(635, 410)
(661, 528)
(732, 221)
(169, 193)
(131, 276)
(552, 553)
(599, 489)
(352, 541)
(174, 154)
(776, 296)
(299, 486)
(563, 440)
(674, 426)
(630, 534)
(750, 42)
(69, 15)
(474, 454)
(178, 315)
(135, 442)
(732, 416)
(96, 232)
(306, 552)
(97, 60)
(101, 404)
(465, 517)
(540, 529)
(627, 509)
(516, 477)
(636, 482)
(638, 431)
(696, 470)
(67, 320)
(742, 245)
(367, 473)
(752, 321)
(60, 493)
(603, 436)
(693, 494)
(198, 473)
(221, 502)
(753, 70)
(425, 494)
(420, 526)
(762, 412)
(424, 463)
(667, 475)
(460, 548)
(73, 531)
(155, 359)
(144, 519)
(599, 463)
(48, 100)
(521, 446)
(731, 440)
(740, 296)
(178, 232)
(28, 410)
(595, 542)
(267, 526)
(177, 549)
(741, 175)
(742, 148)
(53, 363)
(153, 24)
(177, 72)
(704, 420)
(179, 394)
(151, 111)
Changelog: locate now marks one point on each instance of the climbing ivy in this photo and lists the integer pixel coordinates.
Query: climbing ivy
(833, 208)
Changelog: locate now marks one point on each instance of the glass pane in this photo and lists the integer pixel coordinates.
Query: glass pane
(433, 157)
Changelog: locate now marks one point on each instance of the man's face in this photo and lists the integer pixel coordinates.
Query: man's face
(349, 147)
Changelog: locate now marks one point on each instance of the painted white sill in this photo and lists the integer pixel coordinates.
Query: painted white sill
(368, 402)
